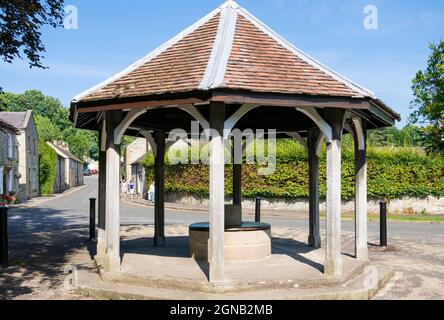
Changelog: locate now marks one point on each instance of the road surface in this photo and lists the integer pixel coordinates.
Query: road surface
(73, 210)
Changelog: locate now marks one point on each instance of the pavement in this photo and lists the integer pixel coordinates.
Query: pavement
(48, 237)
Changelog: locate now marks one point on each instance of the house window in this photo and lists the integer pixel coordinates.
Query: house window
(11, 181)
(1, 180)
(34, 146)
(10, 147)
(29, 144)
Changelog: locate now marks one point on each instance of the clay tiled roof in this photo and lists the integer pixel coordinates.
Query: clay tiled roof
(265, 65)
(178, 68)
(230, 49)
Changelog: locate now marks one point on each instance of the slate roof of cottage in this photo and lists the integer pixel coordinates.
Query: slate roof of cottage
(6, 124)
(64, 153)
(19, 120)
(140, 159)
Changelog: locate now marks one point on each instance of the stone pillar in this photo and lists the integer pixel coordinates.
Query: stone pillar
(217, 194)
(314, 239)
(101, 236)
(333, 260)
(361, 247)
(112, 207)
(159, 197)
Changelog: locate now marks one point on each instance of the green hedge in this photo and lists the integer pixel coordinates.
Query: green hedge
(392, 173)
(48, 166)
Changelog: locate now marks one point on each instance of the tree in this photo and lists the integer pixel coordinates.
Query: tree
(45, 106)
(20, 24)
(46, 129)
(409, 136)
(78, 142)
(52, 121)
(428, 89)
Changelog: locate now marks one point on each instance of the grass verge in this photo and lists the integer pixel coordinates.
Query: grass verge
(401, 218)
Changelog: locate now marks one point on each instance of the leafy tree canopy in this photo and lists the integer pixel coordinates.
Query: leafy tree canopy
(428, 89)
(52, 120)
(20, 24)
(46, 129)
(409, 136)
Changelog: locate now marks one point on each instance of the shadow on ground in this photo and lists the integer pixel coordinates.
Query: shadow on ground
(178, 247)
(41, 242)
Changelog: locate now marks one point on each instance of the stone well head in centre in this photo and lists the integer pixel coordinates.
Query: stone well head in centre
(250, 241)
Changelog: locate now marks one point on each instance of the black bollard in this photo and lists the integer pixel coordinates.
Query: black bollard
(258, 210)
(92, 219)
(383, 223)
(3, 235)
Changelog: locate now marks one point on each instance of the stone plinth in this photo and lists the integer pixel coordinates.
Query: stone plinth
(250, 242)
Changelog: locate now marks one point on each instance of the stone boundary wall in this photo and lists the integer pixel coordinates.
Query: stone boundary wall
(430, 205)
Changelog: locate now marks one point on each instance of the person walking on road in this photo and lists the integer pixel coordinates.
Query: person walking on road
(151, 192)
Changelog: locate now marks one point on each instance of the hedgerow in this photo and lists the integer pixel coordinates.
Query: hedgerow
(48, 165)
(393, 173)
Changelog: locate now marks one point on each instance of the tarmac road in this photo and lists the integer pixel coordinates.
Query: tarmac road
(74, 210)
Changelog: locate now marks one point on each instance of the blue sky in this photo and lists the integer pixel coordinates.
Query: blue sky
(114, 34)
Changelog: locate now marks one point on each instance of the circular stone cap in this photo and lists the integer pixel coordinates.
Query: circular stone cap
(246, 226)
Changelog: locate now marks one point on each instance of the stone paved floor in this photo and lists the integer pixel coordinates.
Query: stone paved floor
(291, 259)
(37, 270)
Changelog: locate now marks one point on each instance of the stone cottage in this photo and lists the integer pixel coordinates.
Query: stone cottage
(9, 155)
(28, 144)
(133, 153)
(138, 177)
(135, 170)
(69, 170)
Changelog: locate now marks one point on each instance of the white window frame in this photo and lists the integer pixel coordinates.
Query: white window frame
(1, 180)
(11, 181)
(10, 147)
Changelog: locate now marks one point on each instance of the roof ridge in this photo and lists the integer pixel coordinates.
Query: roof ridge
(152, 54)
(307, 58)
(223, 43)
(63, 152)
(27, 118)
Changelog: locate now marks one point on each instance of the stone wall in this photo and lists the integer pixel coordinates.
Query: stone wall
(133, 152)
(29, 162)
(4, 146)
(431, 205)
(8, 164)
(59, 177)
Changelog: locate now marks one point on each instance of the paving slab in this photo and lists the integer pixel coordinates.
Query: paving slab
(292, 265)
(359, 288)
